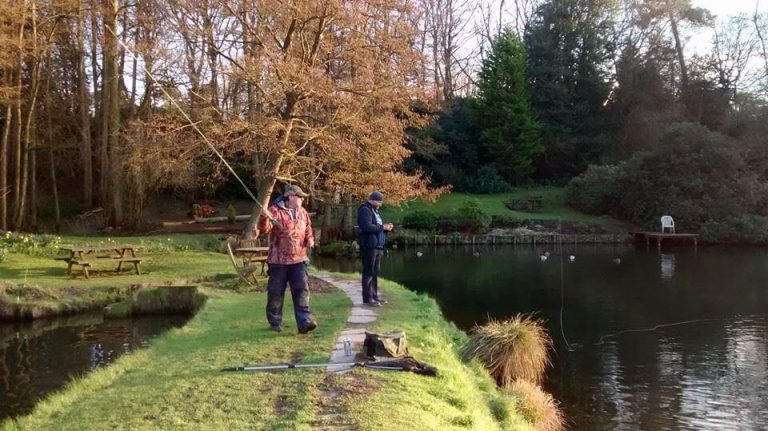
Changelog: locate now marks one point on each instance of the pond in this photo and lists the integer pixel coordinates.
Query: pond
(42, 356)
(647, 340)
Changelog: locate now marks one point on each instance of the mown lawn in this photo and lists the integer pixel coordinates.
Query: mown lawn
(31, 280)
(176, 382)
(553, 206)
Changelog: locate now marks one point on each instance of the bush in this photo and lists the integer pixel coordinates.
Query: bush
(471, 218)
(516, 348)
(35, 245)
(594, 191)
(447, 224)
(420, 220)
(505, 221)
(697, 176)
(338, 248)
(485, 181)
(745, 228)
(231, 214)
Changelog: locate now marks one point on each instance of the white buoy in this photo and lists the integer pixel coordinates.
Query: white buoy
(571, 258)
(475, 253)
(419, 254)
(617, 261)
(394, 245)
(543, 257)
(546, 253)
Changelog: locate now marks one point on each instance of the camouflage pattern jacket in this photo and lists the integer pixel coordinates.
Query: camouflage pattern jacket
(289, 239)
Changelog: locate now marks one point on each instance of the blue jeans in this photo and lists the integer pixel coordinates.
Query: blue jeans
(279, 277)
(371, 265)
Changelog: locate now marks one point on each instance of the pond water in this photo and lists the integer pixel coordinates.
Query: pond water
(42, 356)
(671, 340)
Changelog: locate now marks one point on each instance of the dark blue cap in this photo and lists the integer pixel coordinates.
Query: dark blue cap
(376, 196)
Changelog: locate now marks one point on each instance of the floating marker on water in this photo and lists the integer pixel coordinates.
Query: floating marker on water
(419, 254)
(571, 258)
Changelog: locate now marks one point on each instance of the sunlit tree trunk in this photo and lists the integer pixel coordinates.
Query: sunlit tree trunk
(18, 151)
(85, 114)
(4, 158)
(113, 109)
(28, 148)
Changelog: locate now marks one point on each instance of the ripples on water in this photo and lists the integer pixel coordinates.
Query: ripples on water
(708, 374)
(40, 357)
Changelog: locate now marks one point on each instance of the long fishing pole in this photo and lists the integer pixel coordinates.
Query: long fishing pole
(291, 366)
(194, 126)
(403, 364)
(684, 322)
(562, 296)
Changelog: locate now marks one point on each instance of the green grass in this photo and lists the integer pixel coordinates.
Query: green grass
(176, 382)
(553, 206)
(463, 397)
(169, 260)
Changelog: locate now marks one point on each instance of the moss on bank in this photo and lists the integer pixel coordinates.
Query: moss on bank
(176, 382)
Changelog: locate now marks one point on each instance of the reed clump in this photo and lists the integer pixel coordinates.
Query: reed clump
(512, 349)
(538, 407)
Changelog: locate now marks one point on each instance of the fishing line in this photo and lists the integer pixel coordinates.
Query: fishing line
(562, 298)
(192, 123)
(685, 322)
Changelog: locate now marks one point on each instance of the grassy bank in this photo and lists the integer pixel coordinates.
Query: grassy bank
(33, 284)
(553, 206)
(176, 382)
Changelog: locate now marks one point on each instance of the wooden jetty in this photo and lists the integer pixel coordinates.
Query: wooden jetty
(658, 237)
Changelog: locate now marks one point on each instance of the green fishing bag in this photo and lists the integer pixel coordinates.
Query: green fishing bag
(392, 344)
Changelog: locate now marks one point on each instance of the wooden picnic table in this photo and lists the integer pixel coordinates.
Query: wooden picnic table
(253, 254)
(121, 253)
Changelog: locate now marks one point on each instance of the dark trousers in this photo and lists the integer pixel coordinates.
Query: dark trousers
(279, 277)
(371, 266)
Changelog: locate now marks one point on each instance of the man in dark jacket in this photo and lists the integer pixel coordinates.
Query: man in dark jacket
(370, 236)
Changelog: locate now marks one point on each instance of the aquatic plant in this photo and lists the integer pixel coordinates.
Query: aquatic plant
(537, 407)
(516, 348)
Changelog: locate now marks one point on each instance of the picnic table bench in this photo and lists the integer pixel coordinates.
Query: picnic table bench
(85, 256)
(253, 254)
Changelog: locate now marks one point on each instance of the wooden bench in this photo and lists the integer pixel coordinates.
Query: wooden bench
(83, 263)
(134, 260)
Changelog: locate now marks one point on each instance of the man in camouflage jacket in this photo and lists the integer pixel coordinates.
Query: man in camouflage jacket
(290, 234)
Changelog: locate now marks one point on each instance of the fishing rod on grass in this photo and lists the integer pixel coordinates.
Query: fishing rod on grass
(407, 363)
(197, 129)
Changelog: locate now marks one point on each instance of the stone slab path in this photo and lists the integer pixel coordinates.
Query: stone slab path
(358, 319)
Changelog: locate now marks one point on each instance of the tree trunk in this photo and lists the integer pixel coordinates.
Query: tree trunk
(680, 54)
(55, 190)
(28, 147)
(85, 116)
(18, 152)
(212, 55)
(264, 189)
(4, 161)
(33, 189)
(115, 176)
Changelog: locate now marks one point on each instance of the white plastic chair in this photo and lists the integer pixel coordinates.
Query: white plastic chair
(667, 223)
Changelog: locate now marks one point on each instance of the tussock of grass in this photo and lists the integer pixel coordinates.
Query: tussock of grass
(516, 348)
(537, 406)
